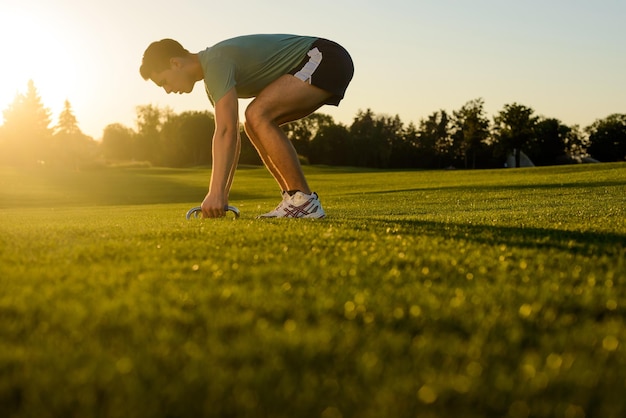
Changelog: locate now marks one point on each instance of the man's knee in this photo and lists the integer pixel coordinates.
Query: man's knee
(254, 115)
(252, 124)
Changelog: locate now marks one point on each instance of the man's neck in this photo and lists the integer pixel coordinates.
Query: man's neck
(196, 69)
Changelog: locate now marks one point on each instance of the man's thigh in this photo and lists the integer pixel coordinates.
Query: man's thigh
(287, 99)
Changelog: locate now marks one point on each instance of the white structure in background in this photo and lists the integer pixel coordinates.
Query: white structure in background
(524, 161)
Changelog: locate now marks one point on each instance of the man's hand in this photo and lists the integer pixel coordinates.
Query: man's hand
(213, 206)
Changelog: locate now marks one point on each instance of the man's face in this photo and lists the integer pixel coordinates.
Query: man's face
(175, 79)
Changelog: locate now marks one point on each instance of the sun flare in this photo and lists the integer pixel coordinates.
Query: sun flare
(36, 49)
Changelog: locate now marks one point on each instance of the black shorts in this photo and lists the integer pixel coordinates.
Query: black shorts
(327, 66)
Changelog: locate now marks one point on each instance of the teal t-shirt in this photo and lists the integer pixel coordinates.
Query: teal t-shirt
(250, 62)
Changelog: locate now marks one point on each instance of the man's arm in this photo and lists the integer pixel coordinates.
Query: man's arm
(226, 148)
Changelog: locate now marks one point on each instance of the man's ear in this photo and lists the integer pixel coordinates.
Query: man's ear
(176, 62)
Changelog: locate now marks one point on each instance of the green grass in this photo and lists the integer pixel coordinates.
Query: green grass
(423, 294)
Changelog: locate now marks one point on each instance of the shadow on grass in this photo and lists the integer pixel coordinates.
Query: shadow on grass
(502, 187)
(586, 243)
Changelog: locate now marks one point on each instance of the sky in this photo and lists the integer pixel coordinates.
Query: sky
(565, 59)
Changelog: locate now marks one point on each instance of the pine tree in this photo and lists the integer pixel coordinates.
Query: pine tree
(26, 133)
(68, 124)
(71, 148)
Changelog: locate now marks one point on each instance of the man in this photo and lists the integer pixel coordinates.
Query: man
(289, 77)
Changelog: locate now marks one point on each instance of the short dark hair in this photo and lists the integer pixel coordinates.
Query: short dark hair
(157, 56)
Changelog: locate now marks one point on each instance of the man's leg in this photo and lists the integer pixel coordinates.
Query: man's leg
(267, 161)
(285, 100)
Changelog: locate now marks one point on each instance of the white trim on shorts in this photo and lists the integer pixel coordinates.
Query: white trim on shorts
(306, 73)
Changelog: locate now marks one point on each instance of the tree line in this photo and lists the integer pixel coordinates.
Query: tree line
(26, 137)
(464, 138)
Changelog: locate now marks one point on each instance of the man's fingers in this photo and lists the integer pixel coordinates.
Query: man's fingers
(213, 213)
(209, 212)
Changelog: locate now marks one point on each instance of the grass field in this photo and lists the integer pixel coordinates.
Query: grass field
(423, 294)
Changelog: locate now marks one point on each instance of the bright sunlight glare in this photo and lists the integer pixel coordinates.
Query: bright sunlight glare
(36, 49)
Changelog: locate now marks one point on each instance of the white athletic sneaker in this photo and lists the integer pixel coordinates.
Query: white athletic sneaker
(278, 210)
(299, 205)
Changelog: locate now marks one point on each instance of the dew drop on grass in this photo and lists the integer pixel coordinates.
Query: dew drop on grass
(474, 369)
(591, 281)
(124, 365)
(610, 343)
(525, 310)
(461, 384)
(554, 361)
(574, 411)
(370, 360)
(427, 395)
(331, 412)
(528, 371)
(290, 325)
(519, 409)
(359, 298)
(349, 309)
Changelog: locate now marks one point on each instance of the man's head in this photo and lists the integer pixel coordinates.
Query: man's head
(170, 66)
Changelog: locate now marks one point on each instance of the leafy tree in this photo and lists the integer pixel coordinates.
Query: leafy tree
(332, 145)
(301, 132)
(607, 138)
(393, 132)
(150, 120)
(118, 142)
(405, 149)
(549, 142)
(434, 141)
(576, 142)
(26, 133)
(364, 135)
(470, 131)
(514, 128)
(374, 137)
(186, 139)
(372, 140)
